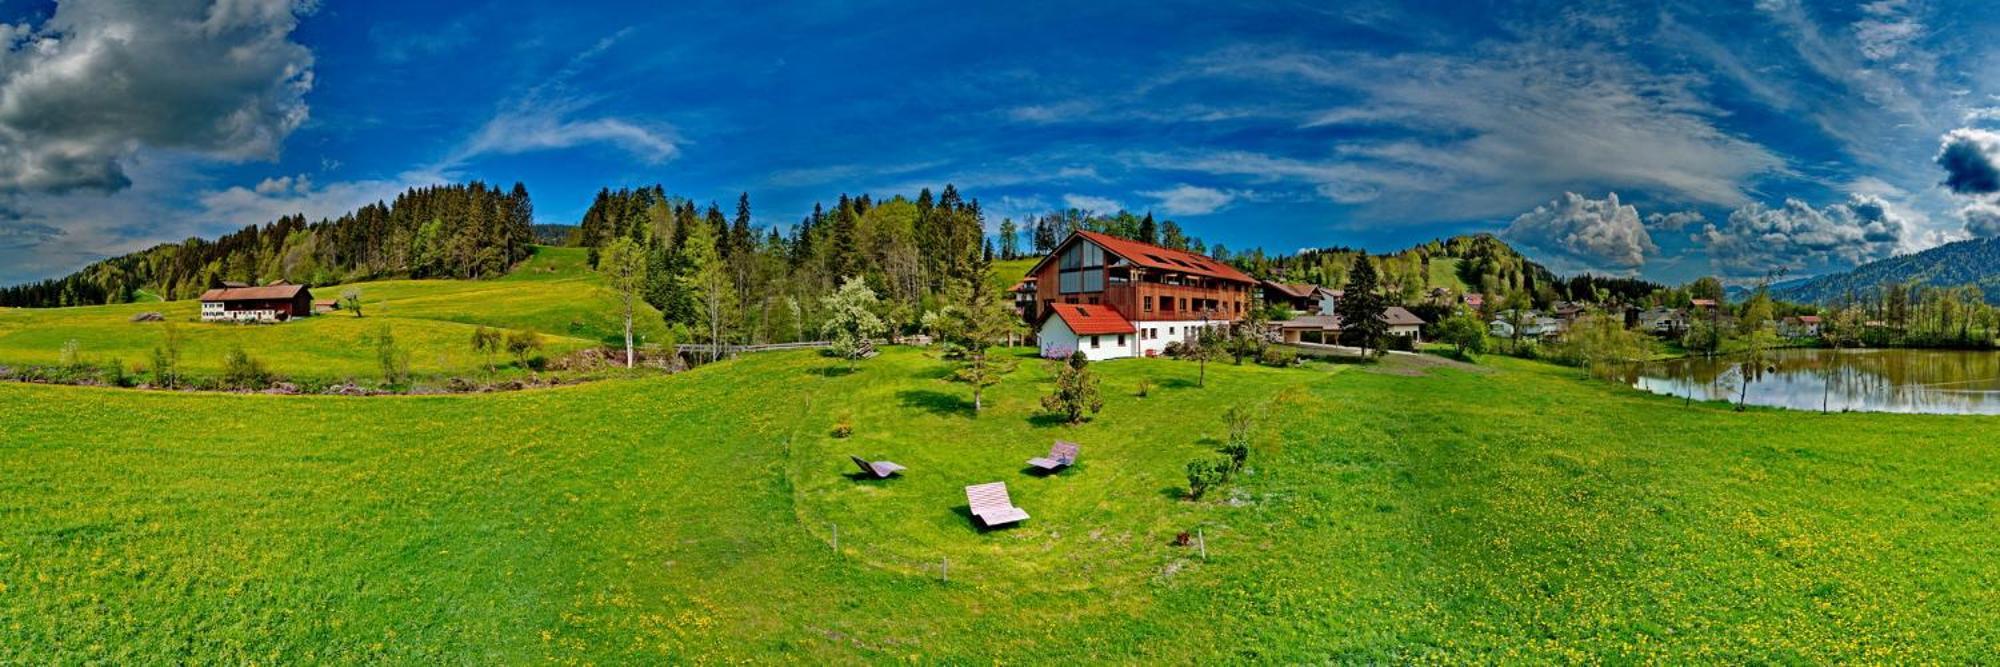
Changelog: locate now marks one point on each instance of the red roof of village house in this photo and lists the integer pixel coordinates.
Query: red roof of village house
(1088, 319)
(266, 292)
(1704, 303)
(1809, 319)
(1156, 257)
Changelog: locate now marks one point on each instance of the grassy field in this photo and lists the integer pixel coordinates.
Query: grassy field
(1444, 273)
(553, 292)
(1516, 515)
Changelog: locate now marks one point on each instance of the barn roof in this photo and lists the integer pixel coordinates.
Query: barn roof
(1293, 290)
(1088, 319)
(263, 293)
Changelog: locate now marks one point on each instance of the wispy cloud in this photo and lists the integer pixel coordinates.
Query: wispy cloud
(1093, 203)
(1184, 199)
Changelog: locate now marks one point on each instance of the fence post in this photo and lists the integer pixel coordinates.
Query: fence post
(836, 539)
(1202, 540)
(944, 568)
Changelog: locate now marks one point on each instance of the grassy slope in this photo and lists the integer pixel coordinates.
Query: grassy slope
(1444, 273)
(553, 292)
(1453, 516)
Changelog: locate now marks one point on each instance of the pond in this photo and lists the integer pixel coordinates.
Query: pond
(1913, 381)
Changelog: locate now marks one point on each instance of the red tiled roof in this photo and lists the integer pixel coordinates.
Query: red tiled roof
(1086, 319)
(1156, 257)
(267, 292)
(1809, 319)
(1705, 302)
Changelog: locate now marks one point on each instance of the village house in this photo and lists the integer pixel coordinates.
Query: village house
(1325, 328)
(1533, 325)
(275, 302)
(1301, 297)
(1663, 321)
(1803, 326)
(1110, 297)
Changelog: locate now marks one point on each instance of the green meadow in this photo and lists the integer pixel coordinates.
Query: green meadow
(553, 293)
(1515, 512)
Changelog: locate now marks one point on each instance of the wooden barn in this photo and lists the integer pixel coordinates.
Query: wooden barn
(268, 303)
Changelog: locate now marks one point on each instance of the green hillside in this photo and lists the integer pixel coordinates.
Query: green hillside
(1518, 515)
(1975, 262)
(553, 292)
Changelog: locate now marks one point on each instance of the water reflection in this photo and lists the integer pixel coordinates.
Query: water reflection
(1921, 381)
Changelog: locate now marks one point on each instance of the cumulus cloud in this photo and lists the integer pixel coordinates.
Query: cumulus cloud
(1598, 234)
(81, 93)
(1676, 221)
(1982, 220)
(1758, 240)
(1971, 161)
(1093, 203)
(1184, 199)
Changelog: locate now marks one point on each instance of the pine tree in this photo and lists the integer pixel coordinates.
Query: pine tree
(1361, 307)
(1149, 232)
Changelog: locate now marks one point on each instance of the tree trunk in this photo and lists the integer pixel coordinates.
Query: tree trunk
(628, 332)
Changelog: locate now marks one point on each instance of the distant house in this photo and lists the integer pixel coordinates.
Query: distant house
(1803, 326)
(321, 306)
(1663, 321)
(1404, 323)
(269, 303)
(1326, 328)
(1532, 325)
(1703, 304)
(1473, 300)
(1301, 297)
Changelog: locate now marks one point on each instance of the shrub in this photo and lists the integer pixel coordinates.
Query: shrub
(241, 371)
(1145, 387)
(1278, 356)
(524, 344)
(1076, 390)
(1174, 348)
(843, 429)
(71, 356)
(1204, 474)
(393, 360)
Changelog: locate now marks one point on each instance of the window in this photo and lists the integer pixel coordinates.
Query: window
(1081, 269)
(1149, 304)
(1184, 303)
(1170, 331)
(1093, 301)
(1121, 340)
(1093, 342)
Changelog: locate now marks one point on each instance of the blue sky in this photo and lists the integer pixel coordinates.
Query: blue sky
(1741, 140)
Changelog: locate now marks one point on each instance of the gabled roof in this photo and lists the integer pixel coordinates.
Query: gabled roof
(1089, 319)
(1400, 316)
(266, 292)
(1293, 290)
(1153, 257)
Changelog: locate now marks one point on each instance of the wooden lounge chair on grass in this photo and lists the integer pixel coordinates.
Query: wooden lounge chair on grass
(990, 504)
(1061, 455)
(877, 469)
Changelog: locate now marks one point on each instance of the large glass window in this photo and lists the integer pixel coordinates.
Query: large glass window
(1081, 269)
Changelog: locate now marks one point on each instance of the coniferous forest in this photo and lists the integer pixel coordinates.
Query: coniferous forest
(447, 231)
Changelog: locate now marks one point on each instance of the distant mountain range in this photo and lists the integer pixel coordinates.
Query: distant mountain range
(1963, 263)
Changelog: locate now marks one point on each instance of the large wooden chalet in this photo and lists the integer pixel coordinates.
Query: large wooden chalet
(267, 303)
(1111, 297)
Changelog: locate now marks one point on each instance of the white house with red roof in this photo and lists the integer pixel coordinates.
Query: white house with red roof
(1111, 297)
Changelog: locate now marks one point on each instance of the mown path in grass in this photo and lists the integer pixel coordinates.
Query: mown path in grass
(1522, 514)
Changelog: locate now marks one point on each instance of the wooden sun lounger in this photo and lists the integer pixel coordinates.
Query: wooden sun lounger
(991, 505)
(1061, 455)
(880, 469)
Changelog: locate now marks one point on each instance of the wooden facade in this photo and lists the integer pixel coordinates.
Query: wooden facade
(1142, 282)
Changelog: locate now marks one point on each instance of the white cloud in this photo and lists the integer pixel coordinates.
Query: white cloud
(87, 89)
(1499, 123)
(1581, 233)
(1676, 221)
(538, 127)
(1758, 240)
(1184, 199)
(1093, 203)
